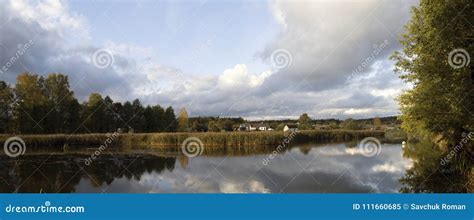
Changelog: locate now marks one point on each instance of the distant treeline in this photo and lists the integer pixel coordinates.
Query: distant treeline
(384, 120)
(38, 104)
(47, 105)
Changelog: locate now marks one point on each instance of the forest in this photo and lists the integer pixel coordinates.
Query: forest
(37, 105)
(47, 105)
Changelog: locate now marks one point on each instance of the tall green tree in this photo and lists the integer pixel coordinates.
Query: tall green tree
(138, 120)
(61, 105)
(438, 44)
(117, 108)
(109, 115)
(6, 107)
(304, 122)
(127, 115)
(95, 114)
(441, 100)
(159, 113)
(32, 103)
(171, 124)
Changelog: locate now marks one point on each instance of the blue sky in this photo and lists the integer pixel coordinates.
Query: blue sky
(255, 59)
(195, 36)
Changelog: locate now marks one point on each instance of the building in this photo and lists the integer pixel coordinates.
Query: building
(263, 127)
(290, 127)
(255, 127)
(247, 127)
(322, 127)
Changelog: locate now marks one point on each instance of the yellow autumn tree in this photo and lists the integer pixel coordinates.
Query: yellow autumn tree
(183, 124)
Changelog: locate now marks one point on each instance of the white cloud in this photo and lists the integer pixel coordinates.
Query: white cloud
(327, 41)
(239, 78)
(251, 186)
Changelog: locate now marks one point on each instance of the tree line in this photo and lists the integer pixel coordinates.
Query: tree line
(38, 104)
(47, 105)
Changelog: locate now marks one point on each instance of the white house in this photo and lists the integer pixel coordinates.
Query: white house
(263, 127)
(290, 127)
(247, 127)
(254, 127)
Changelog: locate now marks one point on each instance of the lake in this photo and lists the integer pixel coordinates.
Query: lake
(321, 168)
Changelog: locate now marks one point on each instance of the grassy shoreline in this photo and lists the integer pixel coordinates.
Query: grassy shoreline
(209, 139)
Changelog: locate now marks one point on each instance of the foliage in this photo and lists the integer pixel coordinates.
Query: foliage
(209, 139)
(350, 124)
(183, 124)
(6, 107)
(304, 122)
(47, 105)
(377, 122)
(440, 102)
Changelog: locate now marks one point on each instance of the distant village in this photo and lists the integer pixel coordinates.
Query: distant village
(303, 123)
(265, 126)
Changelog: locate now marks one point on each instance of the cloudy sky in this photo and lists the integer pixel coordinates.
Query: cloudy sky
(256, 59)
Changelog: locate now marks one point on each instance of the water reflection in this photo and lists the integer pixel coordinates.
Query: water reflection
(305, 168)
(429, 175)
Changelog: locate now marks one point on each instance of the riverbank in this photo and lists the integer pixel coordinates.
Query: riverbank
(208, 139)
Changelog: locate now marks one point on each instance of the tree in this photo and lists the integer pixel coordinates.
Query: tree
(159, 114)
(94, 113)
(127, 114)
(119, 122)
(150, 121)
(171, 125)
(304, 122)
(440, 102)
(333, 125)
(350, 124)
(199, 124)
(137, 120)
(377, 122)
(61, 104)
(31, 108)
(109, 115)
(435, 59)
(6, 107)
(214, 126)
(183, 124)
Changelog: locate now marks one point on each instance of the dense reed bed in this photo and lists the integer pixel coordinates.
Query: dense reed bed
(209, 139)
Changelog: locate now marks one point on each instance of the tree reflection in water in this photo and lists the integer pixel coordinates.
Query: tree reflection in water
(60, 173)
(429, 175)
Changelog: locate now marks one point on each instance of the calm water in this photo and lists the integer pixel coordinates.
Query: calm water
(309, 168)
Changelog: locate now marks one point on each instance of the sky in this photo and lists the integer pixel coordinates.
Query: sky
(255, 59)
